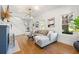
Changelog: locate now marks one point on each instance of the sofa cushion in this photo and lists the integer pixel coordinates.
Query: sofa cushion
(41, 38)
(44, 32)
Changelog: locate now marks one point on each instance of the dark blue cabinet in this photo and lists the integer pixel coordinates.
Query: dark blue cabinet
(4, 39)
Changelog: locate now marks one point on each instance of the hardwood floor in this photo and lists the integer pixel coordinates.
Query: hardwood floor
(28, 46)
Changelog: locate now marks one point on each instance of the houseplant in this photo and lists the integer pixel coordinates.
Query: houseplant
(76, 23)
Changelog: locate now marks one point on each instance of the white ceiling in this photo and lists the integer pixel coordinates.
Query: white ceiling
(22, 9)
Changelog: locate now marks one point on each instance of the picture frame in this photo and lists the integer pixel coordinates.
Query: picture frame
(51, 22)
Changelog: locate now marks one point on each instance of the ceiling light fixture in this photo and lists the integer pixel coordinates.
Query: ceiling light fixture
(36, 7)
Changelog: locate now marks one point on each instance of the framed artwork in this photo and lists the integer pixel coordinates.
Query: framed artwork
(51, 22)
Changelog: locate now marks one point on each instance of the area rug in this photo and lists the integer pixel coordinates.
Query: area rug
(13, 49)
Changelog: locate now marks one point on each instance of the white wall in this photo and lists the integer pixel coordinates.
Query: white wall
(57, 13)
(17, 26)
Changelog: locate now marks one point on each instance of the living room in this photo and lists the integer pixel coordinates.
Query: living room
(41, 29)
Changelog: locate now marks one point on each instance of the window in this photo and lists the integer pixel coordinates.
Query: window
(42, 24)
(67, 23)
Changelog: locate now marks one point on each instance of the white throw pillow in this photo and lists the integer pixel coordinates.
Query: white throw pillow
(49, 35)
